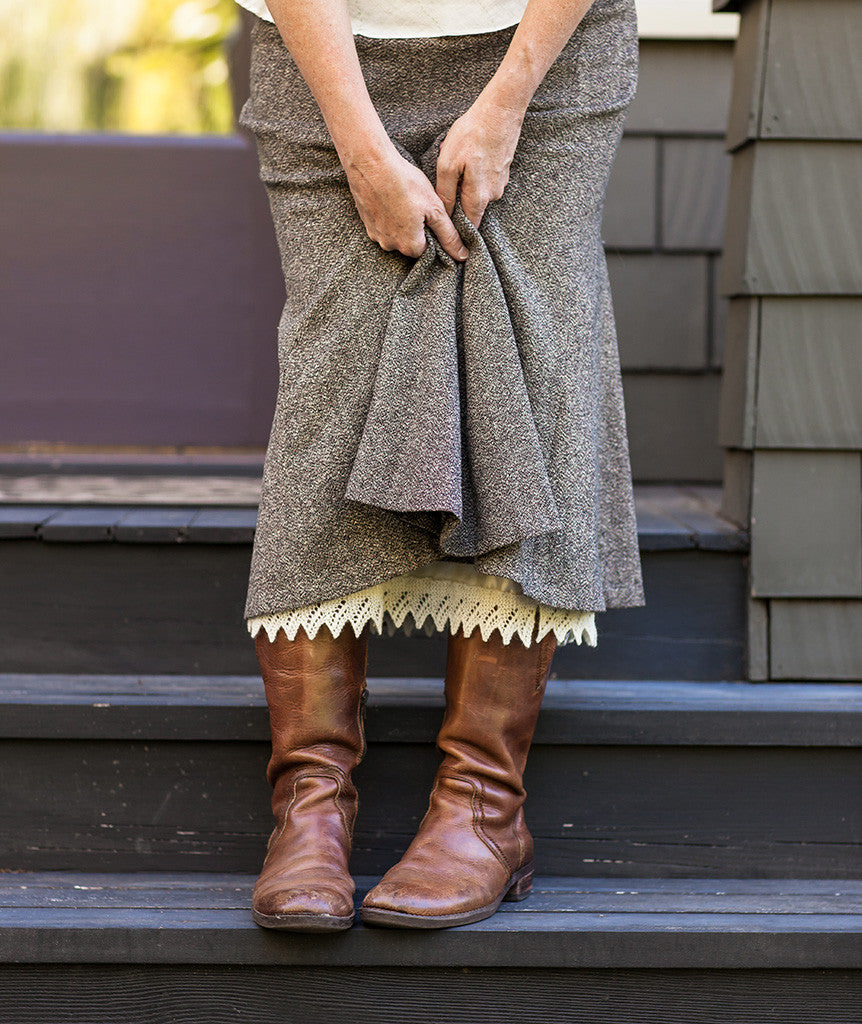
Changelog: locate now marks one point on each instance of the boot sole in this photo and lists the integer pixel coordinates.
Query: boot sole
(303, 922)
(517, 888)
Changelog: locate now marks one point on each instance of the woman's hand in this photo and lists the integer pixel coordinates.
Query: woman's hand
(476, 154)
(395, 201)
(394, 198)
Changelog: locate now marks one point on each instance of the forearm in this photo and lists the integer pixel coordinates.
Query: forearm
(539, 39)
(319, 37)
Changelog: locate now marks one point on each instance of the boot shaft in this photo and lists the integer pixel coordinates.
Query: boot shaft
(315, 689)
(493, 695)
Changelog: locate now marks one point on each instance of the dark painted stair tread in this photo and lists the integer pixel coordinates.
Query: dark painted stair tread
(83, 524)
(408, 710)
(222, 526)
(115, 607)
(223, 891)
(154, 525)
(23, 521)
(574, 922)
(669, 517)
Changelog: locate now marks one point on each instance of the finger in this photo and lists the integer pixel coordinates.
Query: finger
(474, 198)
(474, 205)
(448, 176)
(415, 246)
(439, 222)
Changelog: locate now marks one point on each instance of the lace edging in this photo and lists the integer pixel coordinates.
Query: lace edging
(431, 604)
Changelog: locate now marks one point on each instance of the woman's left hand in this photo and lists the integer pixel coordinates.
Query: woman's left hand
(475, 156)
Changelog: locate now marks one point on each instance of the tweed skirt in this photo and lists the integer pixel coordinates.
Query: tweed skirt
(430, 412)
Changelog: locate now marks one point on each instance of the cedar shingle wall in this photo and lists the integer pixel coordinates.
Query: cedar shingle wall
(791, 398)
(663, 230)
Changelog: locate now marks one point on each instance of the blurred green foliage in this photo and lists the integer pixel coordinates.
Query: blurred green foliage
(140, 66)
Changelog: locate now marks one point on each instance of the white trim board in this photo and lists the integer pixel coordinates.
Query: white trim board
(684, 19)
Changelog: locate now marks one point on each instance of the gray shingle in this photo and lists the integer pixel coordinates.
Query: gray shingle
(737, 223)
(736, 489)
(719, 315)
(757, 640)
(810, 373)
(813, 71)
(748, 63)
(630, 204)
(671, 426)
(694, 193)
(816, 639)
(806, 539)
(805, 230)
(660, 303)
(683, 86)
(739, 375)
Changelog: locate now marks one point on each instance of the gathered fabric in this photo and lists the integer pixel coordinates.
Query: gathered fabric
(435, 412)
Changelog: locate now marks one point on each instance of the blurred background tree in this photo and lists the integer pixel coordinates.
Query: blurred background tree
(139, 66)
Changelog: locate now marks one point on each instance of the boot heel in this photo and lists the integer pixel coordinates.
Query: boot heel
(522, 885)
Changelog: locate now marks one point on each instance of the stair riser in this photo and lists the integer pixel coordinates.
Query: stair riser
(151, 608)
(108, 994)
(646, 811)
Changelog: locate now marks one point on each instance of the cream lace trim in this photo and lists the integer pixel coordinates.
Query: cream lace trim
(431, 597)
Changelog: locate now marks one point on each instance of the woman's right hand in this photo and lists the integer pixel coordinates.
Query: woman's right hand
(396, 200)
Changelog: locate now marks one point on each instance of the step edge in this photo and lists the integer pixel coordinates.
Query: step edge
(750, 714)
(569, 940)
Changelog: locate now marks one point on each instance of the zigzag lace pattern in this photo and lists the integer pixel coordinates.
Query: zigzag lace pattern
(424, 602)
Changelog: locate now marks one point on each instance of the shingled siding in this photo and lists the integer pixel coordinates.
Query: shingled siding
(663, 228)
(791, 401)
(140, 287)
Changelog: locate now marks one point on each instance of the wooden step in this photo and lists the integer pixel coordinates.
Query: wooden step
(201, 508)
(625, 778)
(155, 917)
(574, 711)
(101, 585)
(135, 948)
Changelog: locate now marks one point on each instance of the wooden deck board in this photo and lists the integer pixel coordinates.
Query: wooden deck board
(205, 509)
(158, 918)
(408, 710)
(550, 896)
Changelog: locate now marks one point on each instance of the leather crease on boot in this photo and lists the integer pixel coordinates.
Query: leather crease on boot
(473, 849)
(316, 693)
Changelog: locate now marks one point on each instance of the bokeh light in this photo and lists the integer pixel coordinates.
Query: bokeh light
(139, 66)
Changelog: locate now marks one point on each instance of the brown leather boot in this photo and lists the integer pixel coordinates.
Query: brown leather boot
(473, 849)
(315, 690)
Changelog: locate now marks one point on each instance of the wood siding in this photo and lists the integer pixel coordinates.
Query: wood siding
(790, 408)
(800, 223)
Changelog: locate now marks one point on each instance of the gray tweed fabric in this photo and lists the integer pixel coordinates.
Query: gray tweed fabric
(429, 410)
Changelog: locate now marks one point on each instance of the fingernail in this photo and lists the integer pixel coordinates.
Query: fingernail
(463, 254)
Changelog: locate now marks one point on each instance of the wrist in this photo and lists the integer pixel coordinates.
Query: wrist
(512, 86)
(362, 147)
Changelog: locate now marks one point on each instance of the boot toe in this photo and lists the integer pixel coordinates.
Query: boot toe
(422, 897)
(303, 902)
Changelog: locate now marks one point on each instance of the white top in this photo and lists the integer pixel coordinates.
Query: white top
(402, 19)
